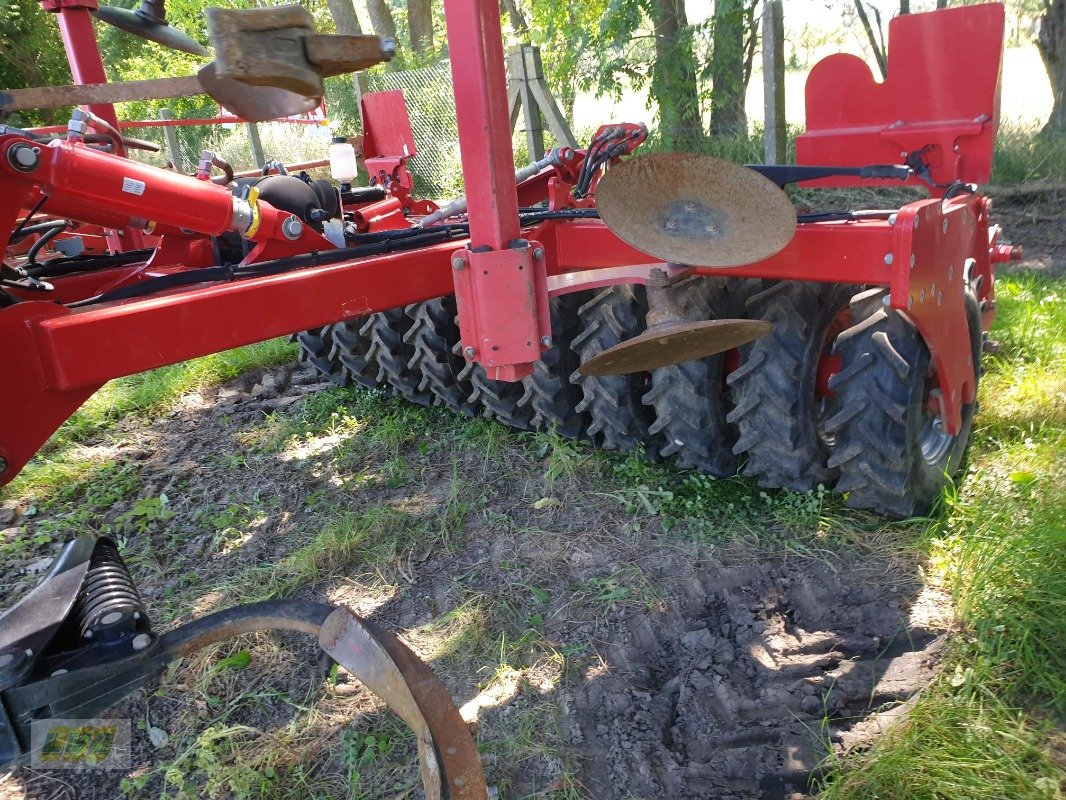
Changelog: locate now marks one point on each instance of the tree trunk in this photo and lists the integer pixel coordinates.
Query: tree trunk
(879, 53)
(346, 22)
(420, 24)
(381, 18)
(1051, 41)
(728, 117)
(516, 17)
(673, 77)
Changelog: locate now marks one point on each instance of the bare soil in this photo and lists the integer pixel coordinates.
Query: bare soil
(1032, 215)
(613, 658)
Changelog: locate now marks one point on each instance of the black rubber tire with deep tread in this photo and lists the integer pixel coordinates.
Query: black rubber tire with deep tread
(434, 338)
(776, 411)
(880, 395)
(550, 391)
(619, 420)
(385, 331)
(498, 400)
(350, 352)
(691, 399)
(316, 346)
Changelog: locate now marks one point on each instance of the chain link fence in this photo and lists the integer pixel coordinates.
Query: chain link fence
(431, 108)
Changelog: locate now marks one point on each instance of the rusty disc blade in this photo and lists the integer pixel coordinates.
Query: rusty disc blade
(674, 343)
(695, 209)
(152, 30)
(253, 103)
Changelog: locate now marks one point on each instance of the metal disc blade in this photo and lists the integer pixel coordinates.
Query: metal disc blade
(253, 103)
(673, 344)
(696, 210)
(161, 33)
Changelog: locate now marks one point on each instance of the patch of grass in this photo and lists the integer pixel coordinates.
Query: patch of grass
(985, 728)
(60, 461)
(345, 542)
(153, 391)
(1022, 154)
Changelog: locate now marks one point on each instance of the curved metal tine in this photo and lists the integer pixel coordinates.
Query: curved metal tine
(386, 667)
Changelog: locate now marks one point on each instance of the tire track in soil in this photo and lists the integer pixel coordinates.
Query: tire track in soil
(723, 695)
(740, 690)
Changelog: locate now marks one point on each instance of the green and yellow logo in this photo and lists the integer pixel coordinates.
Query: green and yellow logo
(100, 743)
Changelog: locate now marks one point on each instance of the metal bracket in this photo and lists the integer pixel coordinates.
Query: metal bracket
(502, 298)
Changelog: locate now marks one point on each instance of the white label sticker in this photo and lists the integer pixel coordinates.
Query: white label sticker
(132, 186)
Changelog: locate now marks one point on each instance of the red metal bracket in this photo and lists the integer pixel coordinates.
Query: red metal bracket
(932, 96)
(932, 243)
(502, 298)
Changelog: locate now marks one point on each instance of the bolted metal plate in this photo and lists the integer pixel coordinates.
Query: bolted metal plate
(253, 103)
(695, 209)
(674, 343)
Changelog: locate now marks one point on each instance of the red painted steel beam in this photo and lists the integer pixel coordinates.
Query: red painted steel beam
(848, 252)
(96, 344)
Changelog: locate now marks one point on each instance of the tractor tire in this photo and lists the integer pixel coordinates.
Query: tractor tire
(691, 399)
(498, 400)
(779, 418)
(893, 454)
(350, 350)
(385, 333)
(619, 420)
(316, 346)
(550, 391)
(434, 341)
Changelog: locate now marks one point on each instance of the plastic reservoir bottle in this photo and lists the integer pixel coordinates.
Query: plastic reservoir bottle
(342, 164)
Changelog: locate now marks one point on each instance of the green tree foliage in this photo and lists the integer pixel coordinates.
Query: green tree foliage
(31, 54)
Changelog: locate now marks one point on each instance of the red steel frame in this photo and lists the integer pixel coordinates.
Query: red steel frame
(53, 357)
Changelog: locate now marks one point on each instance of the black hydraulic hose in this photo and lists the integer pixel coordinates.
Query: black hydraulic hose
(26, 220)
(45, 238)
(37, 227)
(58, 267)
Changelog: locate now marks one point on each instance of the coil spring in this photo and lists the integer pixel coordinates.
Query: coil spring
(108, 604)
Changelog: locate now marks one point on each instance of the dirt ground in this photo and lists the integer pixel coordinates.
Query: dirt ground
(602, 649)
(1032, 215)
(603, 655)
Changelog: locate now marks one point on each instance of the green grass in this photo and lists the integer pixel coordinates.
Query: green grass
(145, 395)
(986, 727)
(1023, 155)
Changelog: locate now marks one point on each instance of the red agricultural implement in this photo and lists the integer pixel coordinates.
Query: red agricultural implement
(701, 319)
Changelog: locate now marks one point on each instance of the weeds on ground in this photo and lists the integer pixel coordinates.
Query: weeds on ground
(986, 727)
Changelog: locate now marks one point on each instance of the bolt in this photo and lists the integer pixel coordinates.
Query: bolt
(912, 260)
(915, 222)
(111, 618)
(538, 253)
(944, 226)
(886, 301)
(141, 641)
(910, 302)
(87, 635)
(939, 298)
(24, 157)
(469, 351)
(932, 289)
(921, 296)
(951, 271)
(458, 262)
(291, 228)
(545, 342)
(891, 219)
(889, 258)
